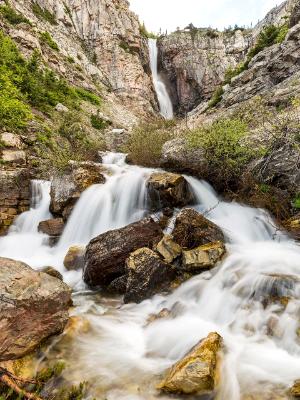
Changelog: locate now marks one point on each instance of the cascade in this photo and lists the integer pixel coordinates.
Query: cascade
(164, 100)
(121, 344)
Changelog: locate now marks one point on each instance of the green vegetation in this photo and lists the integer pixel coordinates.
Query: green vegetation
(216, 97)
(88, 96)
(296, 202)
(12, 16)
(145, 143)
(43, 14)
(46, 38)
(99, 123)
(70, 60)
(125, 46)
(146, 34)
(224, 152)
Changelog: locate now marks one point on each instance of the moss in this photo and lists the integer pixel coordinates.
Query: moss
(98, 122)
(12, 16)
(216, 97)
(296, 202)
(46, 38)
(43, 13)
(88, 96)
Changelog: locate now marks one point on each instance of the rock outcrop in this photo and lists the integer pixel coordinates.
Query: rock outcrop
(66, 189)
(147, 275)
(106, 254)
(168, 190)
(192, 229)
(197, 373)
(33, 306)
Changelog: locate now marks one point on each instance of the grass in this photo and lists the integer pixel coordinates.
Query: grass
(46, 38)
(88, 96)
(98, 123)
(43, 14)
(12, 16)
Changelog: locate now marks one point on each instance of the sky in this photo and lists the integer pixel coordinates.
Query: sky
(170, 14)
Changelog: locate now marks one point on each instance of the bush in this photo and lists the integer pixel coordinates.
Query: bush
(88, 96)
(46, 38)
(216, 97)
(146, 34)
(12, 16)
(146, 141)
(42, 13)
(221, 141)
(99, 123)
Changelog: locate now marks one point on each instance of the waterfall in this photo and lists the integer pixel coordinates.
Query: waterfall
(165, 103)
(122, 354)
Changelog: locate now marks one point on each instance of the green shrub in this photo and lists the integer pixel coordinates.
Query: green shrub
(216, 97)
(42, 13)
(145, 143)
(70, 60)
(282, 32)
(98, 122)
(296, 202)
(12, 16)
(46, 38)
(224, 152)
(88, 96)
(146, 34)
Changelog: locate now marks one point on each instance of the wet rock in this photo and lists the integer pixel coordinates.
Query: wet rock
(164, 313)
(52, 227)
(168, 190)
(292, 225)
(118, 286)
(197, 372)
(66, 189)
(168, 249)
(106, 254)
(177, 155)
(74, 259)
(203, 257)
(192, 229)
(52, 272)
(147, 275)
(33, 306)
(295, 389)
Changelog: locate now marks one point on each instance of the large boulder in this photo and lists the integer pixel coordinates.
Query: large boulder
(33, 306)
(74, 259)
(147, 275)
(67, 188)
(203, 257)
(192, 229)
(106, 254)
(197, 372)
(168, 190)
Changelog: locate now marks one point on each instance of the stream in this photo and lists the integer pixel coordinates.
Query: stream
(121, 354)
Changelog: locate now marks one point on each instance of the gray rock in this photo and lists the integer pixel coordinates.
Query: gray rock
(61, 108)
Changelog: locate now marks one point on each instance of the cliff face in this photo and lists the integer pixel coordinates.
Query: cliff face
(103, 38)
(195, 63)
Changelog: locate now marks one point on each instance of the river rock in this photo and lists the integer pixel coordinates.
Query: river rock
(33, 306)
(66, 189)
(118, 285)
(295, 389)
(197, 372)
(203, 257)
(147, 275)
(192, 229)
(52, 272)
(52, 227)
(74, 259)
(106, 254)
(168, 190)
(168, 249)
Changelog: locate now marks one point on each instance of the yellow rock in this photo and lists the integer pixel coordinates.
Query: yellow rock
(198, 371)
(295, 390)
(168, 249)
(23, 368)
(203, 257)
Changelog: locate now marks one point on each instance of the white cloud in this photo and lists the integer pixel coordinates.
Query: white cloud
(168, 14)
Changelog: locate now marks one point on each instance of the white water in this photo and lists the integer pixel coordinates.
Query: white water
(123, 356)
(164, 100)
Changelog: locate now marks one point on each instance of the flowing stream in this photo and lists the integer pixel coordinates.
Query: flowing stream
(164, 100)
(120, 353)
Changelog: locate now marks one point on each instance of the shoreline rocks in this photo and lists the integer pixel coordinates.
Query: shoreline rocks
(33, 306)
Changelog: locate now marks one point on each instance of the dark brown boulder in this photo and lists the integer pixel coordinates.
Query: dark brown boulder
(106, 254)
(52, 227)
(33, 306)
(147, 275)
(192, 229)
(168, 190)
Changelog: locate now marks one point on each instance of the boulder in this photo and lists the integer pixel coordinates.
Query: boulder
(106, 254)
(168, 190)
(74, 259)
(197, 372)
(118, 286)
(147, 275)
(11, 140)
(168, 249)
(52, 227)
(192, 229)
(66, 189)
(52, 272)
(295, 389)
(33, 306)
(17, 157)
(203, 257)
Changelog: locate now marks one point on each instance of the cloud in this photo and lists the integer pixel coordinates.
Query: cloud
(170, 14)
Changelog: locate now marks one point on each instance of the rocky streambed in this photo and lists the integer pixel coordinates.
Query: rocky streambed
(174, 291)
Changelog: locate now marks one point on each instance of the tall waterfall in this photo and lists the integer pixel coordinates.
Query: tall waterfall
(165, 103)
(123, 355)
